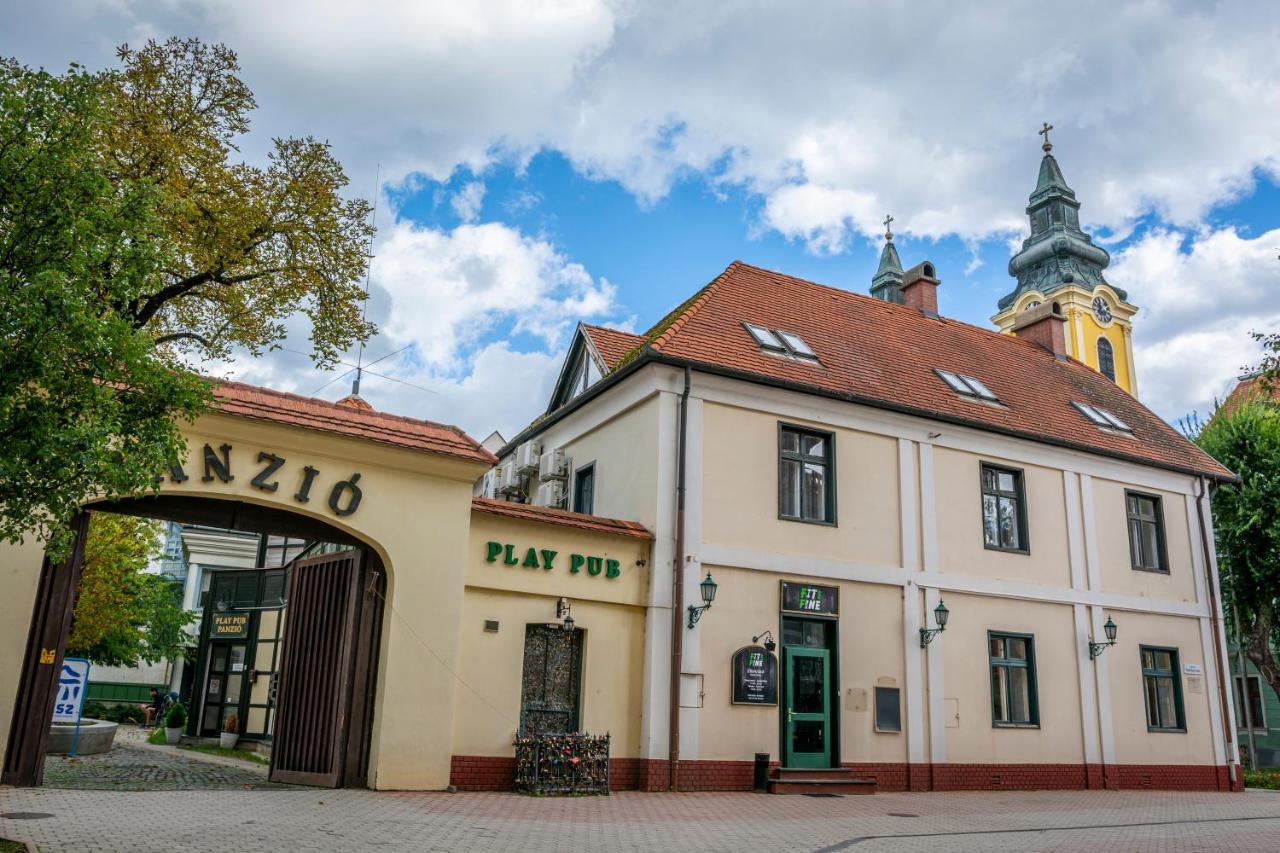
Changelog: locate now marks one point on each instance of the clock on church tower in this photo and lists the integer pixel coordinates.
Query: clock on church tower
(1059, 263)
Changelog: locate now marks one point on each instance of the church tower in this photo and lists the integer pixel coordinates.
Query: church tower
(1059, 262)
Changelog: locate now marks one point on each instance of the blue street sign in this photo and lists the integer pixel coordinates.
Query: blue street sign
(73, 683)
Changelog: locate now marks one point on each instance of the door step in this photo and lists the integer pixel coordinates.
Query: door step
(839, 780)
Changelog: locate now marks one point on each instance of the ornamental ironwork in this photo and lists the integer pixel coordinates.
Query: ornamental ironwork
(562, 764)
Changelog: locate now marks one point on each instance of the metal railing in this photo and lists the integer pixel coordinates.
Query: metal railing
(562, 764)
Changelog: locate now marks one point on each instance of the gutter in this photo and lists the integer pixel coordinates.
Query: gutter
(1233, 753)
(677, 583)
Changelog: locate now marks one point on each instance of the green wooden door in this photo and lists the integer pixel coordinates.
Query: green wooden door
(807, 735)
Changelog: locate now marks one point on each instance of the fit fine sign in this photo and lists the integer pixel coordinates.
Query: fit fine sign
(541, 558)
(810, 598)
(344, 496)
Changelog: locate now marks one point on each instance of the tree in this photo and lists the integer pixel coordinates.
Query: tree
(132, 245)
(124, 614)
(1244, 435)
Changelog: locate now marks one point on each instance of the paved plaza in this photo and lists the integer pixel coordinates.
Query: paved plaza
(320, 820)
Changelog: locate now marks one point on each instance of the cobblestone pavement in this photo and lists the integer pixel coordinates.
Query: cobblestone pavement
(135, 765)
(320, 820)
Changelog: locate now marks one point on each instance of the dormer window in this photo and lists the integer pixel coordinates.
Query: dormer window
(967, 386)
(1102, 418)
(781, 342)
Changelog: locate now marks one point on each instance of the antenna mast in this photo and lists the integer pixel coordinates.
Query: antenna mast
(368, 270)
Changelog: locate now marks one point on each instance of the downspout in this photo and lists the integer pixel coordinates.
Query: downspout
(1233, 752)
(677, 592)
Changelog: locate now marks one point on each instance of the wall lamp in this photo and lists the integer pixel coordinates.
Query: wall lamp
(940, 615)
(769, 644)
(1096, 649)
(562, 612)
(708, 588)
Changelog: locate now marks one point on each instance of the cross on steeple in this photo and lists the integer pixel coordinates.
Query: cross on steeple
(1044, 131)
(888, 232)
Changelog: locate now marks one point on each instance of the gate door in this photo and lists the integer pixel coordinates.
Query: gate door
(325, 697)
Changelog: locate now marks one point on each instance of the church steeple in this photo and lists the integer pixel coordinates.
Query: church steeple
(1059, 263)
(886, 284)
(1058, 253)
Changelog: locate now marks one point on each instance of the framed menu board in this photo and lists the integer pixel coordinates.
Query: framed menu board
(755, 676)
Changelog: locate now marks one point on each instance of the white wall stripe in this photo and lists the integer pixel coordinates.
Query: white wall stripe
(1088, 691)
(915, 681)
(937, 686)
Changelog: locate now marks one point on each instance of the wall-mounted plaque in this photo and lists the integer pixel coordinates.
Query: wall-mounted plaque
(755, 676)
(230, 626)
(810, 598)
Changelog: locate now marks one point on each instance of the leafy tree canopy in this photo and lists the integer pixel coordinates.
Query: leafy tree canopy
(1244, 435)
(124, 614)
(133, 243)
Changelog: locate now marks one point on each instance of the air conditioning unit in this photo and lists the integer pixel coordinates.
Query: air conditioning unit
(551, 494)
(527, 456)
(552, 466)
(508, 478)
(489, 484)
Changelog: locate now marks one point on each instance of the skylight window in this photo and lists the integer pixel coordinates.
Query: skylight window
(969, 386)
(765, 338)
(786, 343)
(1102, 417)
(796, 344)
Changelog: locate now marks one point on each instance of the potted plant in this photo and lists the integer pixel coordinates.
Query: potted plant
(174, 722)
(230, 732)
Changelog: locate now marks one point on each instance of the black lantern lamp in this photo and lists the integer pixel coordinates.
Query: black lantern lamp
(769, 644)
(1096, 649)
(940, 615)
(708, 590)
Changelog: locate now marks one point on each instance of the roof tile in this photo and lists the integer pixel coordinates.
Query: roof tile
(528, 512)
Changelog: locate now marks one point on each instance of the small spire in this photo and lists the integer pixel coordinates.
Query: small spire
(888, 232)
(1044, 131)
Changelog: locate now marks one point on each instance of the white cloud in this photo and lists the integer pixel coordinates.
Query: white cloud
(467, 201)
(1201, 295)
(447, 289)
(833, 113)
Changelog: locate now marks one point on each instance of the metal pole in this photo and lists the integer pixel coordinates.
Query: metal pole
(1244, 688)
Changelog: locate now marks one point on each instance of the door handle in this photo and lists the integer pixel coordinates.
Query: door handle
(789, 714)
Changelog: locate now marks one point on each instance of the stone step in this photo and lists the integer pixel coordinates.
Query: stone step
(822, 786)
(794, 774)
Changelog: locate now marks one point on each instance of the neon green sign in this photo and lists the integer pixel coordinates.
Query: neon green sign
(541, 558)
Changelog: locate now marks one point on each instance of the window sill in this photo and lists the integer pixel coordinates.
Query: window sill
(816, 521)
(1150, 571)
(1026, 552)
(1161, 730)
(1015, 725)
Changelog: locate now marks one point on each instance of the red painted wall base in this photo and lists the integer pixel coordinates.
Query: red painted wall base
(493, 773)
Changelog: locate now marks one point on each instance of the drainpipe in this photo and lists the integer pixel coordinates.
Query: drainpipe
(677, 592)
(1233, 753)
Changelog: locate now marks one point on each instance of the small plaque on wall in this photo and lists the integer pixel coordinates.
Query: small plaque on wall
(755, 676)
(810, 598)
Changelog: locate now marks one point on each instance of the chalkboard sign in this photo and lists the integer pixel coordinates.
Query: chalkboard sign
(755, 676)
(809, 598)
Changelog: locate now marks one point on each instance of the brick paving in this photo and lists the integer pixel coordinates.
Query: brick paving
(321, 820)
(134, 765)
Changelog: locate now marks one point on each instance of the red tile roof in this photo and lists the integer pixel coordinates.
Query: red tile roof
(611, 344)
(527, 512)
(1251, 388)
(882, 354)
(251, 401)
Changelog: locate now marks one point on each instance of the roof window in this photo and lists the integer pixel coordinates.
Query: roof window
(785, 343)
(968, 386)
(1102, 417)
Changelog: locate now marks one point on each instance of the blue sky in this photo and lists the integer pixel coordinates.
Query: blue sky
(599, 160)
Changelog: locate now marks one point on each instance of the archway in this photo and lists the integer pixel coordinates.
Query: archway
(331, 642)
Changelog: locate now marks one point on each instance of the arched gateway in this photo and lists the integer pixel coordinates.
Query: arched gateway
(373, 641)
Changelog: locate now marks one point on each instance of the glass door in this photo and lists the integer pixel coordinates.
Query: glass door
(223, 685)
(807, 741)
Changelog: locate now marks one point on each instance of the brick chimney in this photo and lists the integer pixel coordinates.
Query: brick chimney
(1045, 325)
(920, 289)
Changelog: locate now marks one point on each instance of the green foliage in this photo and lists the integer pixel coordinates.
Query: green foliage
(132, 244)
(176, 718)
(116, 712)
(1244, 435)
(122, 613)
(157, 736)
(1262, 779)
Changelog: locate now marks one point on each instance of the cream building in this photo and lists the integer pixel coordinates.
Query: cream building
(846, 470)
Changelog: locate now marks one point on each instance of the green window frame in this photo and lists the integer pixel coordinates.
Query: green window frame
(1145, 517)
(1004, 509)
(1015, 702)
(806, 475)
(1162, 689)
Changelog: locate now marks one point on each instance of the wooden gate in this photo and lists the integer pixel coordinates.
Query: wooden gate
(325, 694)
